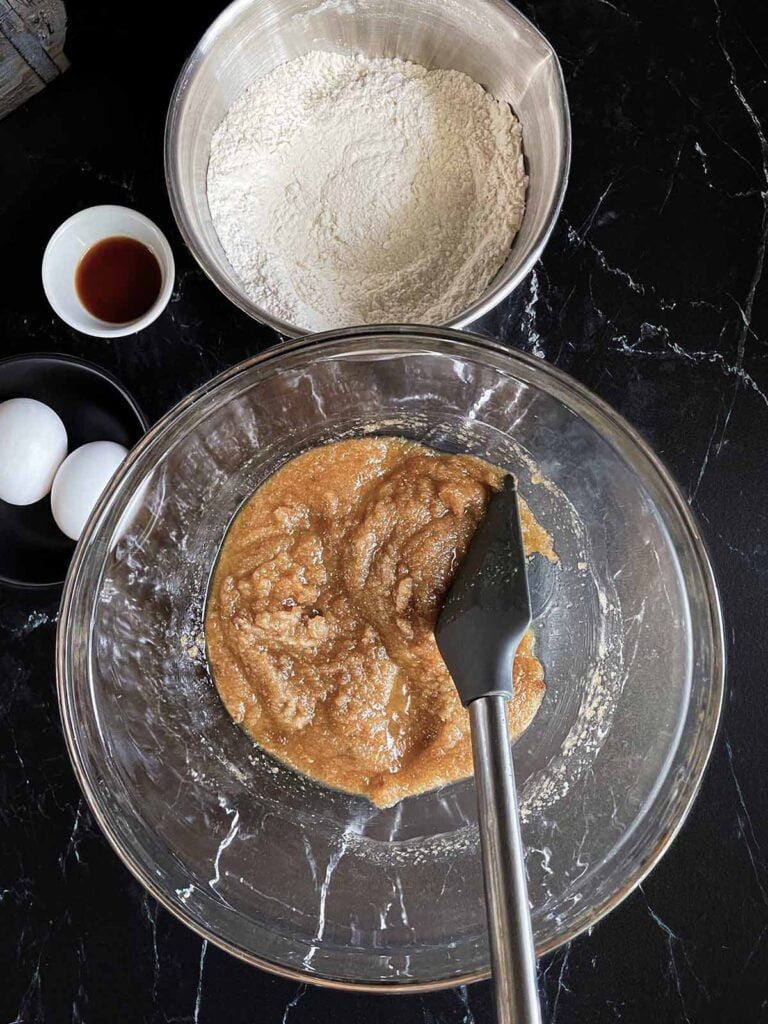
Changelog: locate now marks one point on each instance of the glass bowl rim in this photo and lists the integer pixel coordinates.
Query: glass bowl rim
(560, 383)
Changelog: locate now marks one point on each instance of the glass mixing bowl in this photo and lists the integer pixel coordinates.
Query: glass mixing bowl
(317, 884)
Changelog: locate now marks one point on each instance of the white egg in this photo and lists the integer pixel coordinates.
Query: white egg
(80, 482)
(33, 444)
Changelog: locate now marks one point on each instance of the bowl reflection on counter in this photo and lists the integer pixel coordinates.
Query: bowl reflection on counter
(318, 884)
(489, 40)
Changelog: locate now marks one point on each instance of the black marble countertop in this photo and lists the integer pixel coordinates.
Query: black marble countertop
(651, 292)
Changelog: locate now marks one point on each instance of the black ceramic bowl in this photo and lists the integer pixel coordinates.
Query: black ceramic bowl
(93, 406)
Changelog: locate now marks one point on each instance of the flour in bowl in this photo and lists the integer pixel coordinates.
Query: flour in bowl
(348, 190)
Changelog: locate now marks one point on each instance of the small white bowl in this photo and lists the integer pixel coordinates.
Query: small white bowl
(79, 233)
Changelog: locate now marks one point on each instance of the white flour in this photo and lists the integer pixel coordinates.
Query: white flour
(348, 190)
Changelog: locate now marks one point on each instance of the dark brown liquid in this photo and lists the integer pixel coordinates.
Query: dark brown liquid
(118, 279)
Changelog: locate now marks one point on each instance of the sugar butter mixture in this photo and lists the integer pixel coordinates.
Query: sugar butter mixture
(347, 190)
(322, 607)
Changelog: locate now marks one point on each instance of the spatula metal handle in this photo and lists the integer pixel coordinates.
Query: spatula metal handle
(513, 956)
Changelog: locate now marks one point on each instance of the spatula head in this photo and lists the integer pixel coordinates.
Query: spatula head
(487, 608)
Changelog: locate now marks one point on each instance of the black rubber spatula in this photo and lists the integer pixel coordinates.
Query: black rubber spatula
(483, 619)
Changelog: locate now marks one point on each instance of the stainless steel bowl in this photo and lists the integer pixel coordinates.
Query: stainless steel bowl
(489, 40)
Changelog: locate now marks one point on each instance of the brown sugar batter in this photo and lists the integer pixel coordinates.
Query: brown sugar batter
(321, 612)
